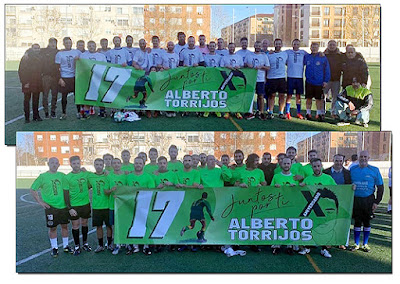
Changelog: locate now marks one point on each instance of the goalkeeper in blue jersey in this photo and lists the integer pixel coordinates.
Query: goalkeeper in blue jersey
(197, 214)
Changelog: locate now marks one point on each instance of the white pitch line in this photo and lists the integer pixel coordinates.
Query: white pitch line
(23, 116)
(46, 251)
(27, 201)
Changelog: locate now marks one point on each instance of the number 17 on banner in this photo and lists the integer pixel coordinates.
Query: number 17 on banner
(166, 202)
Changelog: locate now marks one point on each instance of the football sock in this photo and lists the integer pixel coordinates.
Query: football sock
(53, 243)
(109, 241)
(101, 242)
(366, 231)
(75, 234)
(309, 111)
(85, 230)
(287, 107)
(357, 233)
(298, 108)
(65, 242)
(389, 207)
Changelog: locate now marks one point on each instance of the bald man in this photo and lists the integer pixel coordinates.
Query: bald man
(52, 185)
(354, 66)
(366, 179)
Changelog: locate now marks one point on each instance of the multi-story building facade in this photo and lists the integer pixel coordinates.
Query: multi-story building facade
(249, 142)
(166, 21)
(286, 22)
(61, 145)
(256, 27)
(378, 145)
(26, 25)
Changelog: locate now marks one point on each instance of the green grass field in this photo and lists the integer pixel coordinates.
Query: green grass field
(15, 121)
(32, 239)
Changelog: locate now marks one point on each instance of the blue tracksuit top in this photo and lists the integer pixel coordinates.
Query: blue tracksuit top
(317, 69)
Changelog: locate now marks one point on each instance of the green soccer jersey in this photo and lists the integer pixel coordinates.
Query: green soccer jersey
(295, 169)
(99, 183)
(109, 169)
(253, 177)
(175, 166)
(283, 179)
(150, 169)
(161, 178)
(215, 177)
(78, 188)
(144, 180)
(188, 178)
(307, 170)
(236, 173)
(128, 168)
(115, 180)
(322, 179)
(51, 186)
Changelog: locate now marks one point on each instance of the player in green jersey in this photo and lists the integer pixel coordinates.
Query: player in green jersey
(141, 179)
(284, 178)
(195, 161)
(307, 169)
(296, 168)
(126, 166)
(164, 177)
(188, 178)
(212, 176)
(52, 185)
(203, 162)
(107, 158)
(280, 158)
(98, 182)
(174, 165)
(225, 160)
(78, 203)
(197, 214)
(238, 167)
(152, 166)
(142, 155)
(252, 175)
(318, 178)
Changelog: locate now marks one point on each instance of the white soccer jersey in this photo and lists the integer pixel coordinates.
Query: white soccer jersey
(277, 61)
(213, 60)
(156, 57)
(222, 52)
(96, 56)
(257, 60)
(191, 56)
(243, 53)
(131, 51)
(295, 63)
(233, 60)
(178, 48)
(118, 56)
(171, 60)
(141, 58)
(66, 59)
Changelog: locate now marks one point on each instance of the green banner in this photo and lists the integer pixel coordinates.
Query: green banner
(179, 89)
(310, 215)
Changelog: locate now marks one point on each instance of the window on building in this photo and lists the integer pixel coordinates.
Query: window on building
(337, 23)
(76, 150)
(326, 22)
(161, 8)
(355, 11)
(178, 10)
(315, 22)
(261, 147)
(137, 10)
(366, 11)
(272, 146)
(53, 137)
(65, 149)
(200, 21)
(189, 9)
(107, 9)
(152, 20)
(119, 10)
(377, 11)
(179, 22)
(122, 22)
(338, 11)
(325, 34)
(273, 134)
(315, 34)
(40, 149)
(327, 11)
(261, 134)
(152, 8)
(200, 10)
(315, 11)
(302, 13)
(223, 135)
(354, 22)
(193, 138)
(189, 20)
(54, 149)
(337, 34)
(39, 137)
(199, 32)
(65, 161)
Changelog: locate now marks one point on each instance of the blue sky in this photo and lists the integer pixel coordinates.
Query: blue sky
(221, 15)
(292, 138)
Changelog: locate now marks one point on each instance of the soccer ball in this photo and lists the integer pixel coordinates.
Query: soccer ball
(119, 116)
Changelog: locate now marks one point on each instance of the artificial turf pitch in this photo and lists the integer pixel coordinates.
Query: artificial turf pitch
(32, 239)
(15, 121)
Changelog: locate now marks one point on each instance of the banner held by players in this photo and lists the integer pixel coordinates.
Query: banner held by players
(310, 215)
(179, 89)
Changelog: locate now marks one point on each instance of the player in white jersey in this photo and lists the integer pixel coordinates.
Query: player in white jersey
(191, 56)
(258, 60)
(232, 61)
(244, 51)
(170, 61)
(91, 54)
(265, 44)
(181, 45)
(212, 60)
(141, 58)
(80, 45)
(104, 46)
(202, 45)
(295, 82)
(276, 79)
(118, 55)
(66, 61)
(157, 54)
(221, 50)
(129, 47)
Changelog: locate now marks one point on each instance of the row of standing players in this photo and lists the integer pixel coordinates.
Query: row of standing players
(66, 197)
